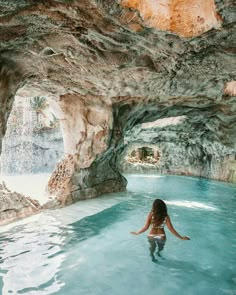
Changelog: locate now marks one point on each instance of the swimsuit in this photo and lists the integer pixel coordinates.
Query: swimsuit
(157, 236)
(160, 236)
(160, 225)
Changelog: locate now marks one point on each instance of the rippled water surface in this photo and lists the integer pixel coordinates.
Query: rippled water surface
(66, 252)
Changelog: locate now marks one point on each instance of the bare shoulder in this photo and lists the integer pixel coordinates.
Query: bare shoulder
(167, 218)
(149, 215)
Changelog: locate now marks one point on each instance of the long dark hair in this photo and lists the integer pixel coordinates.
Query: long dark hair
(159, 211)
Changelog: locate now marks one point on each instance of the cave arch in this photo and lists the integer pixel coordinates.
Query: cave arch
(188, 139)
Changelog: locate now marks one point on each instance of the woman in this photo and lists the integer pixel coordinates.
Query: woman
(158, 218)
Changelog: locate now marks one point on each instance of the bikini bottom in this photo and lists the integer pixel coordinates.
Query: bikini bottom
(159, 237)
(158, 240)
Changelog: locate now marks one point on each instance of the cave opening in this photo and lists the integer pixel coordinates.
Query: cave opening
(143, 155)
(31, 147)
(180, 141)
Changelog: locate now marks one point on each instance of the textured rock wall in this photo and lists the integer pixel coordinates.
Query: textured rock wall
(186, 147)
(180, 16)
(187, 160)
(87, 131)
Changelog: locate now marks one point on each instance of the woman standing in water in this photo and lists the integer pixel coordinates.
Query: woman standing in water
(158, 218)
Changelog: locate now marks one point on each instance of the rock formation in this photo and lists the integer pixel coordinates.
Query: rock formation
(15, 205)
(185, 146)
(108, 67)
(179, 16)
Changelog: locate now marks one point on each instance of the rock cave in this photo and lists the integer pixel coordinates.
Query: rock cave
(120, 75)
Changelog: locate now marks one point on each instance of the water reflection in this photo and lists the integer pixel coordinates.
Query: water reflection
(32, 253)
(192, 205)
(93, 225)
(57, 254)
(29, 251)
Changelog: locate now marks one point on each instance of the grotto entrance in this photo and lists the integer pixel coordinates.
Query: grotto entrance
(141, 159)
(143, 155)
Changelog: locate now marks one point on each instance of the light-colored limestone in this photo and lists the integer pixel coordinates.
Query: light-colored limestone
(14, 205)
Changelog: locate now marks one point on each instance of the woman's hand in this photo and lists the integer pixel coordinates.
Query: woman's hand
(185, 238)
(134, 233)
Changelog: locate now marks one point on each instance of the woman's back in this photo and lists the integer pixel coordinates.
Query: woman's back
(157, 225)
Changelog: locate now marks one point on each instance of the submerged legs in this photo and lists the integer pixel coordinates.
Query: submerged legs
(153, 244)
(152, 248)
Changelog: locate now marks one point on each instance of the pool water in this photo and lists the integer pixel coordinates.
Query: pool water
(97, 255)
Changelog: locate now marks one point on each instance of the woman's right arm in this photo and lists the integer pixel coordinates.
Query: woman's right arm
(173, 231)
(146, 226)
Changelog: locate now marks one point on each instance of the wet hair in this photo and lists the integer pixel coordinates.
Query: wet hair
(159, 212)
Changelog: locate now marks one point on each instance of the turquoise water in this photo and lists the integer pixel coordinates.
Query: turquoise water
(96, 255)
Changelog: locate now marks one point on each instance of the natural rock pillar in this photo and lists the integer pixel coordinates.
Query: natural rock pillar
(88, 169)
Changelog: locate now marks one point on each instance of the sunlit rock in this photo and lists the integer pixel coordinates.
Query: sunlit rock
(14, 205)
(230, 88)
(184, 17)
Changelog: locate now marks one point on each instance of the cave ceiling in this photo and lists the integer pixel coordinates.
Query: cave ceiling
(116, 54)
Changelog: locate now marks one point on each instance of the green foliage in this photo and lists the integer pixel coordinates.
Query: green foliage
(38, 103)
(54, 122)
